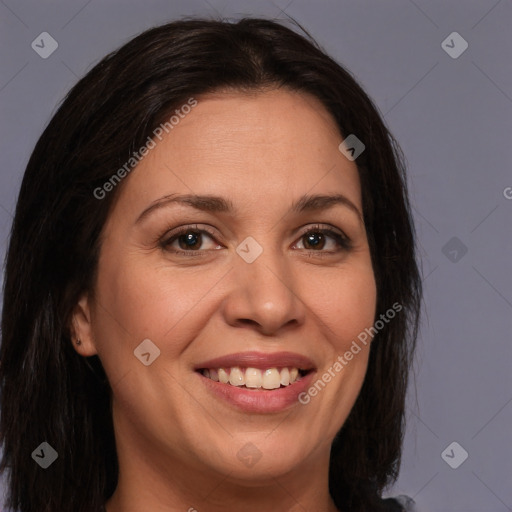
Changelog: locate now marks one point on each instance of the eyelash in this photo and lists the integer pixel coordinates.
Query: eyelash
(344, 243)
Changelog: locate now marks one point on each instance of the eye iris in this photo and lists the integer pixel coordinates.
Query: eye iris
(190, 240)
(315, 240)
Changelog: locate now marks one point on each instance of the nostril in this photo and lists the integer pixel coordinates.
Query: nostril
(247, 321)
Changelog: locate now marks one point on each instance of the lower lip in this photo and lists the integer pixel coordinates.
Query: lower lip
(259, 400)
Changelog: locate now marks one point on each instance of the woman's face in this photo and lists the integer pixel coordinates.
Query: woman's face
(227, 250)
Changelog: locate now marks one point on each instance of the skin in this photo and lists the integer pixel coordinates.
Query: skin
(177, 443)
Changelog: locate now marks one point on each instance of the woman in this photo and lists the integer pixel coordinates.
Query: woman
(211, 294)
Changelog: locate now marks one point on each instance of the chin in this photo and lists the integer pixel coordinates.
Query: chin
(253, 459)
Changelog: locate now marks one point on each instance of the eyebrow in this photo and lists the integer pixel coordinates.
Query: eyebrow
(217, 204)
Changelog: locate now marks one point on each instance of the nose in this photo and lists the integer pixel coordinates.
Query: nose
(264, 296)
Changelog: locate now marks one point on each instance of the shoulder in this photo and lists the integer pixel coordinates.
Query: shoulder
(405, 503)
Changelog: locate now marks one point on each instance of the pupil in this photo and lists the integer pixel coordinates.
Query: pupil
(315, 239)
(190, 240)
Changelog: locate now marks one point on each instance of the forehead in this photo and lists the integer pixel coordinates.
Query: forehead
(249, 146)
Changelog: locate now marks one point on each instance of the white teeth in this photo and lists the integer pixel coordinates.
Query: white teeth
(285, 377)
(254, 378)
(223, 376)
(271, 379)
(236, 377)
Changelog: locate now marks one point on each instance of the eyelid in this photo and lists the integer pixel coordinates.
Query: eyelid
(321, 227)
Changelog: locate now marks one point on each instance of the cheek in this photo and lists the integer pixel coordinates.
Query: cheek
(136, 301)
(344, 300)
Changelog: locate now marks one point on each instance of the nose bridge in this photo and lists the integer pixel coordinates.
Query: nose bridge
(263, 292)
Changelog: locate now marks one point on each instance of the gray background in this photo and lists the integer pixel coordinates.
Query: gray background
(453, 118)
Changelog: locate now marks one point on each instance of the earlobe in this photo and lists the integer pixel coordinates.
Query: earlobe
(81, 331)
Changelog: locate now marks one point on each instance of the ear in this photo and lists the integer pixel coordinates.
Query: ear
(81, 327)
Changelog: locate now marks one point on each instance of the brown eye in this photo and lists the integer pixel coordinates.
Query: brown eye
(324, 240)
(314, 240)
(189, 240)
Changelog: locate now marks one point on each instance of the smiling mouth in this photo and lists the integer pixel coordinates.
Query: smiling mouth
(255, 378)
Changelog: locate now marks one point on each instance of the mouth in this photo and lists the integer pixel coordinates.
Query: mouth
(256, 382)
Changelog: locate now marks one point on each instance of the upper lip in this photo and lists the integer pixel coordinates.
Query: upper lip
(259, 360)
